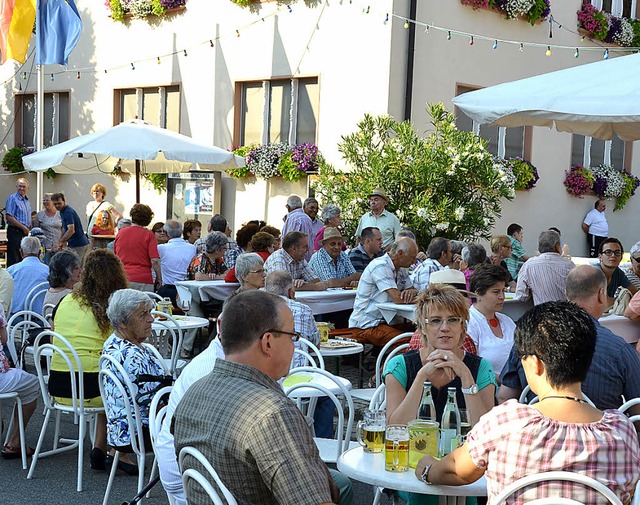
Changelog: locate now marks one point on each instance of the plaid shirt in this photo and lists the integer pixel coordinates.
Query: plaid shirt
(18, 207)
(266, 455)
(514, 440)
(305, 324)
(232, 254)
(282, 260)
(420, 276)
(325, 268)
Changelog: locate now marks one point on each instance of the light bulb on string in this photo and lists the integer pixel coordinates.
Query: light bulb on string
(211, 43)
(406, 24)
(495, 44)
(605, 55)
(582, 39)
(78, 76)
(237, 33)
(449, 35)
(185, 53)
(426, 29)
(24, 75)
(133, 67)
(577, 53)
(386, 19)
(290, 9)
(52, 78)
(471, 40)
(548, 53)
(159, 61)
(368, 9)
(521, 47)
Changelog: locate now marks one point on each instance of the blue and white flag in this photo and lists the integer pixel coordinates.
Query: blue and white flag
(58, 31)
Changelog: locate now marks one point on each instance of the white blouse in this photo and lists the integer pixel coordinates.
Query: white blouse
(490, 347)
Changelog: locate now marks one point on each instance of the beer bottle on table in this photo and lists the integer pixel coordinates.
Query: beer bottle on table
(450, 434)
(427, 409)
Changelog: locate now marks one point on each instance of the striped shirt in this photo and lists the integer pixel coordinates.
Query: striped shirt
(297, 220)
(282, 260)
(325, 268)
(544, 277)
(514, 440)
(19, 208)
(513, 261)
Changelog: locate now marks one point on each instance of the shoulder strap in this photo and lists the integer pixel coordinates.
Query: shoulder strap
(94, 211)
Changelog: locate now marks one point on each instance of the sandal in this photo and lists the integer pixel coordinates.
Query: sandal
(9, 452)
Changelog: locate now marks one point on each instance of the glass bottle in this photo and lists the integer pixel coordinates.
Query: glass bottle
(427, 409)
(450, 434)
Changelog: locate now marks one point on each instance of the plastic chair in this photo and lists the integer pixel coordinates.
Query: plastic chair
(192, 473)
(37, 292)
(379, 399)
(156, 418)
(627, 405)
(124, 386)
(81, 415)
(311, 347)
(508, 491)
(527, 390)
(385, 355)
(17, 331)
(18, 406)
(171, 334)
(330, 449)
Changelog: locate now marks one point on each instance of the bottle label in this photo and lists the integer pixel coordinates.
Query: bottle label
(448, 441)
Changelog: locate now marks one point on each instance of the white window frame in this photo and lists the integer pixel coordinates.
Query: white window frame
(617, 7)
(502, 137)
(55, 119)
(162, 108)
(586, 153)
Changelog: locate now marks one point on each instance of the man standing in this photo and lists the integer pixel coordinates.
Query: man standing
(310, 208)
(369, 248)
(297, 220)
(385, 221)
(615, 368)
(72, 233)
(18, 210)
(384, 280)
(610, 253)
(515, 232)
(331, 264)
(544, 277)
(267, 454)
(291, 259)
(175, 258)
(439, 255)
(27, 274)
(596, 227)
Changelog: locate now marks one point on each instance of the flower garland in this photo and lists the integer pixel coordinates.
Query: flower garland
(532, 10)
(140, 9)
(604, 180)
(608, 28)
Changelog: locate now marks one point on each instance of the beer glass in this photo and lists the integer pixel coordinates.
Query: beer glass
(323, 329)
(370, 431)
(396, 450)
(423, 439)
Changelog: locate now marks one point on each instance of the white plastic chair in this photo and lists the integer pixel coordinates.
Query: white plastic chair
(627, 405)
(379, 398)
(82, 415)
(37, 292)
(527, 390)
(330, 449)
(556, 476)
(160, 340)
(17, 328)
(192, 473)
(18, 406)
(124, 386)
(315, 358)
(385, 355)
(156, 418)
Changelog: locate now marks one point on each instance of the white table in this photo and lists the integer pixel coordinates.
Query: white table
(336, 352)
(317, 379)
(369, 468)
(325, 302)
(623, 326)
(185, 323)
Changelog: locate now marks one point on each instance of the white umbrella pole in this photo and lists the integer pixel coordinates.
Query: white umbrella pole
(39, 133)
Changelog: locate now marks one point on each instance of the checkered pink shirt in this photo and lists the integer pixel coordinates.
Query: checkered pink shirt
(514, 440)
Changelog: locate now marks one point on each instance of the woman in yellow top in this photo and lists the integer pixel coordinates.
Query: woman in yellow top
(81, 318)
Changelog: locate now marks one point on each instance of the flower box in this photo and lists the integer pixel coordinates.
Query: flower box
(532, 11)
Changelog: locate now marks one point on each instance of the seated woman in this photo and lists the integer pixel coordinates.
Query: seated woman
(442, 319)
(491, 331)
(262, 243)
(64, 272)
(81, 318)
(208, 265)
(250, 270)
(501, 249)
(555, 342)
(129, 312)
(14, 380)
(473, 255)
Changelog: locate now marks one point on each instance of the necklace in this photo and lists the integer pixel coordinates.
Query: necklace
(493, 322)
(573, 398)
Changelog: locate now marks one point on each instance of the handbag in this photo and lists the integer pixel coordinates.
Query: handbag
(623, 297)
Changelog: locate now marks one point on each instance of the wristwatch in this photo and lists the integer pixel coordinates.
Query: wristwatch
(473, 390)
(425, 474)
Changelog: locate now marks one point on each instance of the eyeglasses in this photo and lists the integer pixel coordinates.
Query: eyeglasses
(261, 271)
(437, 322)
(609, 252)
(295, 336)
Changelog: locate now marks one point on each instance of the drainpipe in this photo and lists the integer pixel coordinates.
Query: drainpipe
(411, 46)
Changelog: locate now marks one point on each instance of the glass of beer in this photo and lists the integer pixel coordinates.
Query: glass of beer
(323, 329)
(423, 439)
(370, 431)
(396, 449)
(465, 425)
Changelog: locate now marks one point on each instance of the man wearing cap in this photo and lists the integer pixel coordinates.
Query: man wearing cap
(18, 211)
(439, 256)
(297, 220)
(369, 248)
(596, 227)
(331, 264)
(385, 221)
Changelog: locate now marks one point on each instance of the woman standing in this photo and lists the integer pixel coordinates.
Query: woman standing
(98, 192)
(48, 219)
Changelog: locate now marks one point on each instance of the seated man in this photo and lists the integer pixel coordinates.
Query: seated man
(175, 257)
(370, 247)
(27, 274)
(291, 258)
(266, 455)
(610, 255)
(439, 256)
(615, 369)
(385, 280)
(518, 255)
(330, 263)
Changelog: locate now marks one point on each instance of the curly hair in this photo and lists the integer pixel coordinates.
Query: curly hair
(261, 241)
(271, 230)
(102, 274)
(141, 214)
(245, 234)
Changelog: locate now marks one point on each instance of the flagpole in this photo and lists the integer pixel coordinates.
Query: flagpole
(39, 112)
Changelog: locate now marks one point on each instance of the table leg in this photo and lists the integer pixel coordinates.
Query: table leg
(360, 373)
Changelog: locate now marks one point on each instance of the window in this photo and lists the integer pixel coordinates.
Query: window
(159, 106)
(625, 8)
(56, 119)
(588, 152)
(279, 110)
(501, 141)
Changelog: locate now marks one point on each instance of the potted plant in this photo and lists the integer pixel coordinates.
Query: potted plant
(578, 181)
(525, 173)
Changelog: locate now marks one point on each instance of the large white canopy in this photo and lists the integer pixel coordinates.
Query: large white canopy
(597, 99)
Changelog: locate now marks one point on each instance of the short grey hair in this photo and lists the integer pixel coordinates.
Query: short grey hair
(123, 223)
(294, 202)
(474, 254)
(403, 244)
(245, 263)
(278, 282)
(310, 200)
(30, 246)
(122, 303)
(329, 212)
(215, 241)
(548, 241)
(173, 228)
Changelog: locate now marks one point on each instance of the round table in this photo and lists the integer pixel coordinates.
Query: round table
(369, 468)
(316, 379)
(336, 352)
(185, 323)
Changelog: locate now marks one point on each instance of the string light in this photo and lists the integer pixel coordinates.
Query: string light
(386, 19)
(426, 29)
(78, 76)
(406, 24)
(133, 67)
(211, 42)
(449, 35)
(606, 54)
(24, 75)
(290, 9)
(495, 44)
(159, 60)
(368, 9)
(521, 47)
(185, 53)
(471, 40)
(548, 53)
(52, 78)
(577, 53)
(237, 33)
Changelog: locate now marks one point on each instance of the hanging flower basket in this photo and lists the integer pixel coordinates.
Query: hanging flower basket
(603, 26)
(579, 181)
(604, 181)
(140, 9)
(533, 11)
(525, 173)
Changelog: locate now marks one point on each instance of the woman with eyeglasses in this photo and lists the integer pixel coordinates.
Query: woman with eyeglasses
(250, 271)
(501, 249)
(610, 255)
(633, 274)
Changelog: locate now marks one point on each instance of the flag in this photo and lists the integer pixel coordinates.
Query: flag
(16, 25)
(58, 31)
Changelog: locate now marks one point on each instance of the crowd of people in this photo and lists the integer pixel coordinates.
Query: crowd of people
(462, 339)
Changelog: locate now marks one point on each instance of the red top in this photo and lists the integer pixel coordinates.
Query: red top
(231, 274)
(136, 247)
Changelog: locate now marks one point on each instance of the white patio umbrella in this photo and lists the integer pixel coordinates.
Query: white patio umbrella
(597, 100)
(127, 144)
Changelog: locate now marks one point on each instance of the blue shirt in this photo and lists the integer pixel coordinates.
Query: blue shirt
(70, 216)
(26, 275)
(18, 207)
(325, 268)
